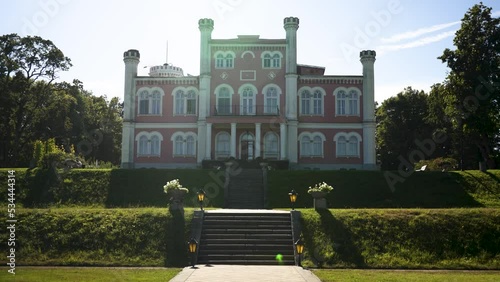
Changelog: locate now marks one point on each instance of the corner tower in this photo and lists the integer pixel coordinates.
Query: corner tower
(206, 26)
(131, 59)
(291, 25)
(367, 58)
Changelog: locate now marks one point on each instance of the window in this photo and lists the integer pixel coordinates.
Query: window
(150, 101)
(347, 144)
(311, 144)
(184, 144)
(144, 103)
(185, 104)
(267, 61)
(247, 101)
(224, 60)
(222, 149)
(271, 100)
(224, 101)
(311, 101)
(219, 61)
(271, 150)
(276, 61)
(271, 60)
(149, 144)
(347, 101)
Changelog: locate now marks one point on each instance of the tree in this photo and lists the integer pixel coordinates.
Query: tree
(472, 96)
(401, 125)
(28, 67)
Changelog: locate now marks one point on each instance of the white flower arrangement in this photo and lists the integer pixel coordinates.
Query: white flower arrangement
(173, 185)
(320, 187)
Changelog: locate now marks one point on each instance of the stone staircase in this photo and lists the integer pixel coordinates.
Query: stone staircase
(246, 190)
(247, 238)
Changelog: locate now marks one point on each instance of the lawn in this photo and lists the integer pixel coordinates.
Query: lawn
(405, 275)
(81, 274)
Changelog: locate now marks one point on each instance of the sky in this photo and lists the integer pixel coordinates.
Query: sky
(407, 35)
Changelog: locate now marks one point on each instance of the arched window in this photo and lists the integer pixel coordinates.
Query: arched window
(305, 99)
(271, 101)
(311, 144)
(341, 102)
(347, 144)
(267, 61)
(317, 147)
(247, 101)
(305, 146)
(347, 101)
(184, 101)
(229, 61)
(190, 146)
(276, 61)
(149, 144)
(143, 146)
(156, 103)
(179, 102)
(155, 145)
(144, 103)
(352, 147)
(222, 145)
(224, 101)
(271, 147)
(179, 146)
(219, 61)
(191, 102)
(317, 103)
(341, 146)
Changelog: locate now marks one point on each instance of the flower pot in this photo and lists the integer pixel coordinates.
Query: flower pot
(177, 199)
(319, 199)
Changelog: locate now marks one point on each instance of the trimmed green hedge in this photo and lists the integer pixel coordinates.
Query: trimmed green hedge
(352, 189)
(100, 237)
(445, 238)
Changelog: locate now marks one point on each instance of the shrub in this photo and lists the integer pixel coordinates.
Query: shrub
(438, 164)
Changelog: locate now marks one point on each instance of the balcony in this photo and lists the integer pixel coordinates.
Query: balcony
(238, 110)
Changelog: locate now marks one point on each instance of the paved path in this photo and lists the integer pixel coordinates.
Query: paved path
(245, 273)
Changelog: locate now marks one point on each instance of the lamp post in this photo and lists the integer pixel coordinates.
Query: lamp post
(293, 197)
(193, 244)
(299, 247)
(201, 197)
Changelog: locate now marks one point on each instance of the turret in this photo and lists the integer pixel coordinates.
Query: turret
(367, 58)
(291, 25)
(206, 27)
(131, 59)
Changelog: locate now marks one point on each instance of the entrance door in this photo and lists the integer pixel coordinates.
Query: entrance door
(247, 147)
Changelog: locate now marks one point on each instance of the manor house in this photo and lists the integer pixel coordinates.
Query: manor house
(251, 99)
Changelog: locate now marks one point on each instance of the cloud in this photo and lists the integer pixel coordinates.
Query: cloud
(416, 43)
(416, 33)
(495, 14)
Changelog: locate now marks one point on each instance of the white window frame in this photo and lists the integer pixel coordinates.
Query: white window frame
(311, 138)
(265, 90)
(217, 144)
(252, 107)
(348, 137)
(149, 137)
(154, 97)
(181, 138)
(184, 101)
(224, 59)
(271, 59)
(311, 101)
(217, 93)
(342, 97)
(271, 154)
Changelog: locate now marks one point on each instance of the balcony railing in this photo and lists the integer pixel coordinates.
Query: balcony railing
(238, 110)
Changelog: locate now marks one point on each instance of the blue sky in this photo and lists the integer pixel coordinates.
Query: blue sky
(407, 35)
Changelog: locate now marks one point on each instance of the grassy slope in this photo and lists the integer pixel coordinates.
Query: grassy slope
(415, 238)
(370, 189)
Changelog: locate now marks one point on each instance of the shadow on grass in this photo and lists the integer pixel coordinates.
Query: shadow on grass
(347, 254)
(176, 246)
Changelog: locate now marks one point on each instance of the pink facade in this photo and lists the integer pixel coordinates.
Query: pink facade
(251, 100)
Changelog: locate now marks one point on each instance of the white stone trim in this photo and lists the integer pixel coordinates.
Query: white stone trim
(150, 91)
(347, 136)
(311, 136)
(184, 136)
(186, 90)
(254, 99)
(311, 100)
(249, 71)
(247, 52)
(330, 125)
(347, 90)
(149, 136)
(271, 54)
(151, 125)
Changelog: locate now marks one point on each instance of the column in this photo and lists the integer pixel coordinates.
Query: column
(233, 139)
(283, 139)
(208, 150)
(202, 132)
(292, 142)
(257, 140)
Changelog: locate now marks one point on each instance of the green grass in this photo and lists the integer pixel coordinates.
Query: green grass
(31, 274)
(405, 275)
